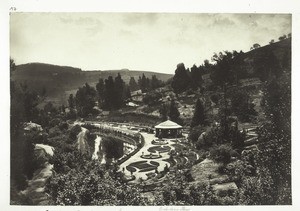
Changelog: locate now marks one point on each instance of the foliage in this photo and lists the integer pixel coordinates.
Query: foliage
(113, 93)
(92, 185)
(152, 98)
(23, 108)
(85, 100)
(266, 66)
(275, 142)
(163, 111)
(195, 133)
(112, 147)
(225, 70)
(22, 159)
(120, 91)
(100, 91)
(174, 113)
(74, 132)
(241, 105)
(222, 153)
(181, 80)
(199, 117)
(71, 101)
(144, 83)
(133, 86)
(23, 105)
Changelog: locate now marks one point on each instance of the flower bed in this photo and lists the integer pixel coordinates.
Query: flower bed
(160, 149)
(131, 169)
(143, 166)
(159, 142)
(151, 156)
(154, 163)
(148, 169)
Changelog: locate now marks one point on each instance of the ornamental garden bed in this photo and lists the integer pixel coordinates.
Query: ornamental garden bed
(159, 142)
(131, 169)
(151, 156)
(142, 166)
(160, 149)
(148, 169)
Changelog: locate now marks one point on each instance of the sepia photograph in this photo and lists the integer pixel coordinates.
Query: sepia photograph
(150, 108)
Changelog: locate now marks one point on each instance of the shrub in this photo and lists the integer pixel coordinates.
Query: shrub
(74, 132)
(54, 131)
(54, 122)
(221, 153)
(195, 133)
(63, 126)
(215, 98)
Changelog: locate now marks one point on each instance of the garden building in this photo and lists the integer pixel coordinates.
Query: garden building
(168, 129)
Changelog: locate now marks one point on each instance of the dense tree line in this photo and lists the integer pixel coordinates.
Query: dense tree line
(145, 84)
(110, 94)
(229, 67)
(113, 93)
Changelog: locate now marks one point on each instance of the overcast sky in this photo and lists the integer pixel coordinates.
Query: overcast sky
(137, 41)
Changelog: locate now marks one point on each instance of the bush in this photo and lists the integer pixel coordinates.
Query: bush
(152, 98)
(54, 122)
(63, 126)
(54, 131)
(221, 153)
(215, 98)
(195, 133)
(74, 132)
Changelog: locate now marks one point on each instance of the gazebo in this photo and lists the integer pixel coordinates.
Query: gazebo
(168, 129)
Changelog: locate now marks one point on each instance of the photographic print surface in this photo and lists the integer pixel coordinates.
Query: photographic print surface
(150, 109)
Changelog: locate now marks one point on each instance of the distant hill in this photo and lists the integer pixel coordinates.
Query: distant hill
(59, 81)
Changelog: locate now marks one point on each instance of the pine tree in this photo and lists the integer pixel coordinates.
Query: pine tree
(100, 91)
(85, 100)
(199, 117)
(109, 98)
(163, 112)
(119, 91)
(143, 83)
(133, 85)
(71, 102)
(174, 113)
(181, 80)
